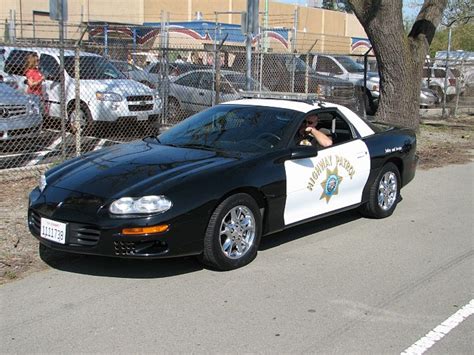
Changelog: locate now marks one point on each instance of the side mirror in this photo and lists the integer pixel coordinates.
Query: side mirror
(303, 152)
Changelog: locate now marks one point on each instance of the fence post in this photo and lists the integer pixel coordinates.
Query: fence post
(77, 100)
(458, 87)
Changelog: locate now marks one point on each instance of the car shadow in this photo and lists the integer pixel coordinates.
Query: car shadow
(160, 268)
(306, 229)
(117, 267)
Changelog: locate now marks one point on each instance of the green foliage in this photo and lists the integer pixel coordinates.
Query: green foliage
(461, 38)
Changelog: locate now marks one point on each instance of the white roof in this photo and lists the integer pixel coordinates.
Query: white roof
(362, 127)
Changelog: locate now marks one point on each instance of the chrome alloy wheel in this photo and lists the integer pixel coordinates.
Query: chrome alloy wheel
(237, 232)
(387, 194)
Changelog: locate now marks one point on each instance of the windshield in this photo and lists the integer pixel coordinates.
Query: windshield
(237, 81)
(93, 68)
(233, 129)
(298, 64)
(351, 65)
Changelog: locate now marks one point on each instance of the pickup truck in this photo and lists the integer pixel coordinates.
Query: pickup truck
(346, 68)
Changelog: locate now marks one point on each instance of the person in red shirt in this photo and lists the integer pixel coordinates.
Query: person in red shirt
(34, 79)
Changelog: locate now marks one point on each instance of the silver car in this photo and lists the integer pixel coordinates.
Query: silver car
(20, 114)
(135, 73)
(193, 91)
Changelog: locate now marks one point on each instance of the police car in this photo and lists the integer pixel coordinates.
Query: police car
(217, 182)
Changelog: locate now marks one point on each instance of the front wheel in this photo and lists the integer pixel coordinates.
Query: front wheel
(82, 117)
(233, 233)
(384, 194)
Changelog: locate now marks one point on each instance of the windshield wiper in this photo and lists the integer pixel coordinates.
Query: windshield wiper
(153, 137)
(197, 145)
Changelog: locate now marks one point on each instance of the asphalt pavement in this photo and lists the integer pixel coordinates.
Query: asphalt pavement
(341, 285)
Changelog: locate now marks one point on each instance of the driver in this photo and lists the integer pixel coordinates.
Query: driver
(309, 135)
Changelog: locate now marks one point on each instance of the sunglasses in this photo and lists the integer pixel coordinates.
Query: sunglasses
(309, 122)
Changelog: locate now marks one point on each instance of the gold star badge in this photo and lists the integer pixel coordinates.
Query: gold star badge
(331, 184)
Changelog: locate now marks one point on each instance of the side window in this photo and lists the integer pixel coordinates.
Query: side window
(206, 81)
(16, 61)
(327, 65)
(49, 67)
(334, 125)
(192, 79)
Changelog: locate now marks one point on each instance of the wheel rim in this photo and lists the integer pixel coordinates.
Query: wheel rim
(237, 232)
(73, 117)
(387, 190)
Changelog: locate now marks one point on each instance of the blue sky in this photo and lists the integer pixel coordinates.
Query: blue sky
(408, 11)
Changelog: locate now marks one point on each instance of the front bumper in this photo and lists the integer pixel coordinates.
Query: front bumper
(20, 127)
(90, 232)
(85, 238)
(108, 111)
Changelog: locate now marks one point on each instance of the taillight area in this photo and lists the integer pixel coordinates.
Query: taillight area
(452, 82)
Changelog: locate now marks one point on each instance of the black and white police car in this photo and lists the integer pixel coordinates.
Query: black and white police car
(214, 184)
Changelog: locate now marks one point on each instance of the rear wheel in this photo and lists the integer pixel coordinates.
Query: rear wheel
(233, 233)
(384, 193)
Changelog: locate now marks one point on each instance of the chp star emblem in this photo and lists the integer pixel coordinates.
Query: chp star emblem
(331, 184)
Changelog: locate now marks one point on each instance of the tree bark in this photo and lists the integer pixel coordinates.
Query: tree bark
(400, 58)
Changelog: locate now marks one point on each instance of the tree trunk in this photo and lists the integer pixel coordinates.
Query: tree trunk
(400, 58)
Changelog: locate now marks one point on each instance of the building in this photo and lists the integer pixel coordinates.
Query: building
(293, 28)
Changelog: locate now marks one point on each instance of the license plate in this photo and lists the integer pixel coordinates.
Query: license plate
(142, 117)
(54, 231)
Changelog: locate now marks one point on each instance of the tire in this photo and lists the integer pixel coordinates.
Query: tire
(84, 119)
(233, 233)
(384, 194)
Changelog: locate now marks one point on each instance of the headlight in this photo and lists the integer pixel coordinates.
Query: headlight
(42, 183)
(108, 96)
(324, 90)
(146, 204)
(158, 100)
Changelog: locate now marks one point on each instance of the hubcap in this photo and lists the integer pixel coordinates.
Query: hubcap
(237, 232)
(387, 190)
(74, 117)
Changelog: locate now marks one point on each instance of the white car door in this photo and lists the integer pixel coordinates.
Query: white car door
(332, 180)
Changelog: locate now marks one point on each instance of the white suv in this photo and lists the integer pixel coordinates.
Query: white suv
(105, 93)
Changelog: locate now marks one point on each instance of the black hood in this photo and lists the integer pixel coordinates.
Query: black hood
(131, 169)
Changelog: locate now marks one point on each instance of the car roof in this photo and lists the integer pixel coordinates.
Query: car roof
(51, 51)
(300, 106)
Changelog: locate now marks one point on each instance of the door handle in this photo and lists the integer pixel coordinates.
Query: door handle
(201, 94)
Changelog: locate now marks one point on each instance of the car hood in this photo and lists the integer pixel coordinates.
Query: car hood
(132, 169)
(9, 96)
(124, 87)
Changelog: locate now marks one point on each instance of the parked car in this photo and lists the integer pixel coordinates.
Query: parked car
(287, 73)
(434, 79)
(133, 72)
(20, 114)
(428, 98)
(217, 182)
(346, 68)
(193, 91)
(174, 70)
(106, 94)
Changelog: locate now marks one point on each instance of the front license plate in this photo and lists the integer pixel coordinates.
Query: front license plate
(54, 231)
(142, 117)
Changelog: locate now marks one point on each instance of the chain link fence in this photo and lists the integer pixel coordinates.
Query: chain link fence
(104, 91)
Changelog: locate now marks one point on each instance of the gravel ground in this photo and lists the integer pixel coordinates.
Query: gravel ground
(439, 143)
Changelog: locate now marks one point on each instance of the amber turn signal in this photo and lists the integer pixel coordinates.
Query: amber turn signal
(145, 230)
